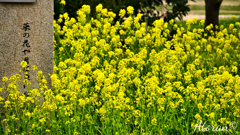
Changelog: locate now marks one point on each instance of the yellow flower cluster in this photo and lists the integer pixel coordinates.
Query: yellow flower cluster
(115, 74)
(128, 70)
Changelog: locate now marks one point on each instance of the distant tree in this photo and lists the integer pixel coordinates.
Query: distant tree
(172, 9)
(212, 12)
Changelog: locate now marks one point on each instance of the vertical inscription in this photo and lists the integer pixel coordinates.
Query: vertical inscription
(22, 28)
(26, 49)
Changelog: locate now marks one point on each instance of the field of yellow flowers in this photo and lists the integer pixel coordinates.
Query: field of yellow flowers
(113, 78)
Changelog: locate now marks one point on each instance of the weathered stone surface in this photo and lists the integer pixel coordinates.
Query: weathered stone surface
(16, 36)
(17, 0)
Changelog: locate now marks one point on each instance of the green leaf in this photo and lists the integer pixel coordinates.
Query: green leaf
(31, 119)
(54, 122)
(21, 130)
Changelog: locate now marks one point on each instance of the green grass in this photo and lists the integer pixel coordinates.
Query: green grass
(227, 21)
(163, 8)
(225, 7)
(183, 24)
(229, 14)
(223, 21)
(222, 14)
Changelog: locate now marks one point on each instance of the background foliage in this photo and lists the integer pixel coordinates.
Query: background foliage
(172, 9)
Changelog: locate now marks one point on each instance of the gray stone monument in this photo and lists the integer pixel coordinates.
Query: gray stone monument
(18, 1)
(26, 34)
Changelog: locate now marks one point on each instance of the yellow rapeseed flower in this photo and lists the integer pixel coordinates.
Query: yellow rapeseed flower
(130, 10)
(171, 21)
(99, 7)
(211, 115)
(137, 113)
(231, 26)
(86, 9)
(154, 121)
(189, 22)
(81, 102)
(65, 15)
(198, 117)
(200, 107)
(104, 12)
(1, 99)
(202, 22)
(136, 122)
(34, 67)
(67, 122)
(63, 2)
(4, 79)
(7, 104)
(194, 20)
(23, 64)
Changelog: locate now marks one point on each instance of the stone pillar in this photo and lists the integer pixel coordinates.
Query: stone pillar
(26, 33)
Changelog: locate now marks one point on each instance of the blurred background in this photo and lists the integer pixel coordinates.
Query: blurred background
(219, 12)
(227, 9)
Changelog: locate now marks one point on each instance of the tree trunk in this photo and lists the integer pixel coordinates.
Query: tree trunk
(212, 12)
